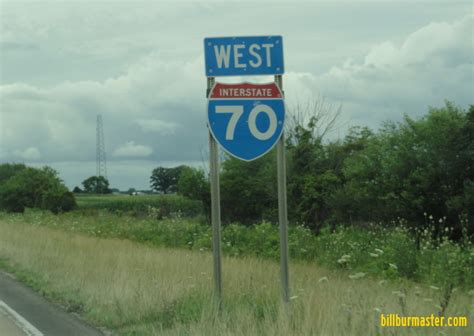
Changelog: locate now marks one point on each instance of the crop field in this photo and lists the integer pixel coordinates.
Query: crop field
(139, 205)
(100, 266)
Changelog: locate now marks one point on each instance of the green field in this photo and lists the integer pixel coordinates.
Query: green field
(164, 205)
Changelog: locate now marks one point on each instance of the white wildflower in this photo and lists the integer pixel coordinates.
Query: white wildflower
(434, 288)
(379, 251)
(382, 282)
(399, 294)
(393, 266)
(294, 297)
(344, 259)
(355, 276)
(323, 279)
(374, 255)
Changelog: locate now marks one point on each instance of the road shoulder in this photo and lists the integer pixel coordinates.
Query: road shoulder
(48, 318)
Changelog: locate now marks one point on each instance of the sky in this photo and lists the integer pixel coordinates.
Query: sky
(140, 65)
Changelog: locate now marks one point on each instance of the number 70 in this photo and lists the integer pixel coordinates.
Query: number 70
(238, 110)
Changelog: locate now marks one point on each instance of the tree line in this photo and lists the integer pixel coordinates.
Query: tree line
(417, 171)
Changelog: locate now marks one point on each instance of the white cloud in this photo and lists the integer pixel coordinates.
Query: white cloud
(132, 150)
(152, 96)
(432, 64)
(435, 42)
(158, 126)
(144, 73)
(156, 95)
(31, 153)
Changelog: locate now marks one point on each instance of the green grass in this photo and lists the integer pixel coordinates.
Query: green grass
(135, 289)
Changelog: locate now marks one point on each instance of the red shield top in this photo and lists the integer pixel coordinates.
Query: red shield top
(245, 91)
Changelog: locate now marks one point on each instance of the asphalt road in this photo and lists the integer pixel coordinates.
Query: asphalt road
(8, 327)
(24, 312)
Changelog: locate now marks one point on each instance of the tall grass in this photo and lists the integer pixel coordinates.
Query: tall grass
(136, 289)
(388, 253)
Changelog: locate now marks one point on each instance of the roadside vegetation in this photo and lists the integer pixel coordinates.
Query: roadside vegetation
(382, 252)
(135, 289)
(407, 171)
(380, 222)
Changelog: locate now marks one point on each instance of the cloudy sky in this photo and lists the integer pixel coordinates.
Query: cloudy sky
(141, 66)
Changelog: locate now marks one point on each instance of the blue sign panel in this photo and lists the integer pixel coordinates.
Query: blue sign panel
(249, 127)
(242, 56)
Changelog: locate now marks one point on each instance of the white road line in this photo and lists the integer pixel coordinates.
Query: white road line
(23, 324)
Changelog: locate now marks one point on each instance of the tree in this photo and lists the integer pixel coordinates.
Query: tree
(413, 168)
(77, 190)
(96, 185)
(316, 116)
(165, 180)
(7, 170)
(35, 188)
(192, 183)
(249, 190)
(312, 174)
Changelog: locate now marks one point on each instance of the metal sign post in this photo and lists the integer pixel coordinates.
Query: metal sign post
(282, 209)
(215, 210)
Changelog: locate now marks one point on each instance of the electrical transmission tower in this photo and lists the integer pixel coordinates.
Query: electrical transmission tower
(101, 164)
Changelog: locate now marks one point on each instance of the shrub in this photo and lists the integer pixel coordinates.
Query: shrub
(59, 201)
(35, 188)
